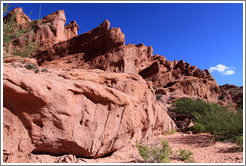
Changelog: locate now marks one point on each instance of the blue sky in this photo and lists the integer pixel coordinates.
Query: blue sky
(207, 35)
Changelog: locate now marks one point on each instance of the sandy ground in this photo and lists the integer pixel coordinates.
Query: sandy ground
(203, 146)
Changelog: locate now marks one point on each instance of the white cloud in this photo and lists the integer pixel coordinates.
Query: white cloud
(222, 69)
(229, 72)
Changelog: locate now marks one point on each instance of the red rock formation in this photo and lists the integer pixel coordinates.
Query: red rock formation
(176, 79)
(93, 43)
(91, 113)
(103, 49)
(86, 113)
(46, 31)
(18, 15)
(72, 29)
(231, 95)
(57, 21)
(16, 141)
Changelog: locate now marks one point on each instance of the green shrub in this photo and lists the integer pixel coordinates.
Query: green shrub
(169, 132)
(12, 31)
(212, 118)
(44, 70)
(185, 155)
(30, 66)
(239, 141)
(155, 154)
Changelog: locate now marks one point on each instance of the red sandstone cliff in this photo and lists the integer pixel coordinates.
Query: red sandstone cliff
(91, 94)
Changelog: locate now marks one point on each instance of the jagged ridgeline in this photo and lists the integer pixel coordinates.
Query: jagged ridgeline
(89, 94)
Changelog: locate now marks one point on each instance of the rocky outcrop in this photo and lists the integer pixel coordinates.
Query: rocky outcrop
(86, 113)
(45, 31)
(89, 95)
(17, 15)
(91, 44)
(14, 59)
(16, 141)
(72, 29)
(173, 80)
(122, 59)
(231, 95)
(103, 48)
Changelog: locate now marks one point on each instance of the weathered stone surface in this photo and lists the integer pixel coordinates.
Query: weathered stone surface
(128, 59)
(46, 31)
(180, 79)
(149, 71)
(231, 95)
(72, 29)
(93, 43)
(12, 59)
(86, 113)
(19, 16)
(96, 94)
(16, 141)
(57, 20)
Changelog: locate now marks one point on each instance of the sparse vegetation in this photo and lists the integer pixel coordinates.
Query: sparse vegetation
(239, 141)
(212, 118)
(30, 66)
(169, 132)
(44, 70)
(155, 154)
(12, 32)
(186, 156)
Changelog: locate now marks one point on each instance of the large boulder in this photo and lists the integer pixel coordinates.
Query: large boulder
(87, 113)
(16, 140)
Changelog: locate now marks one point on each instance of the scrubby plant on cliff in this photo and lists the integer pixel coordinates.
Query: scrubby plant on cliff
(155, 154)
(212, 118)
(13, 31)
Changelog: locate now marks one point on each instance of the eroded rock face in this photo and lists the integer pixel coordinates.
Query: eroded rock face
(16, 141)
(47, 31)
(57, 20)
(98, 94)
(86, 113)
(72, 29)
(104, 48)
(178, 79)
(123, 59)
(231, 95)
(18, 15)
(92, 44)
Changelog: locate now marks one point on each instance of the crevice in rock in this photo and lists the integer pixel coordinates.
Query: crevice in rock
(64, 148)
(170, 84)
(149, 71)
(92, 97)
(107, 154)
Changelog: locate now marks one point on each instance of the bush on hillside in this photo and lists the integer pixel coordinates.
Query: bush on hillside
(211, 118)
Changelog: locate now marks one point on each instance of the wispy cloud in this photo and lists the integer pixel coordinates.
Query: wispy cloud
(222, 69)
